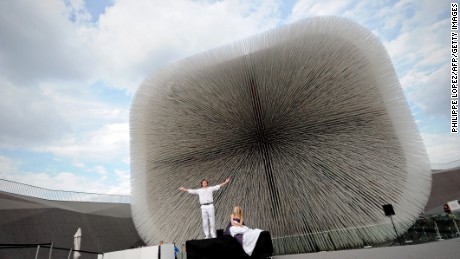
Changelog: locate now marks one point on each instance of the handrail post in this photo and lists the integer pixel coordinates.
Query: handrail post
(456, 227)
(36, 254)
(70, 252)
(51, 250)
(438, 234)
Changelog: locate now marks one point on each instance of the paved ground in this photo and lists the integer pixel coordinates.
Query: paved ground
(445, 249)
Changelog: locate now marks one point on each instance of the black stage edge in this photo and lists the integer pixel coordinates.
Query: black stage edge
(227, 247)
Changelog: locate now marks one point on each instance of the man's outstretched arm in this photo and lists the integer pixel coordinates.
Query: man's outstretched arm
(224, 183)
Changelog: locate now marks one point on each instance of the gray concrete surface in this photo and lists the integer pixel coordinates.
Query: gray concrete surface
(445, 249)
(106, 227)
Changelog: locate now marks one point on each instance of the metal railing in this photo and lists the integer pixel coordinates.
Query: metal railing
(58, 195)
(45, 250)
(424, 229)
(433, 228)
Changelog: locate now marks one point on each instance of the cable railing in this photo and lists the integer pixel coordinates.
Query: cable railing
(423, 230)
(44, 250)
(58, 195)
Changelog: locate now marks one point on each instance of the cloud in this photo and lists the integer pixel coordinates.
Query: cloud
(39, 42)
(432, 95)
(413, 78)
(308, 8)
(443, 148)
(50, 113)
(424, 12)
(420, 61)
(53, 55)
(67, 181)
(110, 143)
(403, 26)
(78, 105)
(100, 170)
(414, 49)
(123, 185)
(7, 166)
(126, 160)
(133, 38)
(78, 164)
(53, 39)
(28, 117)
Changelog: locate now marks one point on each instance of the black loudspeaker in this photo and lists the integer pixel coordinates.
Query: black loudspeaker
(388, 209)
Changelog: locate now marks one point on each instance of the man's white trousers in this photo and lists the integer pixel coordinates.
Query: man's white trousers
(207, 213)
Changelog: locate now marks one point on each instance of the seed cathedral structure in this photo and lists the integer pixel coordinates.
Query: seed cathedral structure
(308, 120)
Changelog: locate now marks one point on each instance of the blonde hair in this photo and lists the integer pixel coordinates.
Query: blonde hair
(239, 211)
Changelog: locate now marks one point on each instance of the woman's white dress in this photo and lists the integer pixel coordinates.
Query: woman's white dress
(250, 236)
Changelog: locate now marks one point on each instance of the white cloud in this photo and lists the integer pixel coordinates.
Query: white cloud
(28, 117)
(442, 148)
(135, 37)
(100, 170)
(51, 40)
(433, 95)
(7, 166)
(77, 11)
(426, 12)
(49, 113)
(118, 183)
(308, 8)
(414, 19)
(123, 185)
(78, 105)
(51, 55)
(415, 44)
(126, 160)
(49, 62)
(67, 181)
(78, 164)
(39, 42)
(413, 79)
(109, 143)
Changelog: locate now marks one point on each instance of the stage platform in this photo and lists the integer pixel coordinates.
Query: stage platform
(444, 249)
(227, 247)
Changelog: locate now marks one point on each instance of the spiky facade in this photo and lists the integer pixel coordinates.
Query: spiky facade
(308, 120)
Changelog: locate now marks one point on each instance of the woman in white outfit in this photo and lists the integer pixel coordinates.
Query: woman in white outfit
(250, 236)
(236, 220)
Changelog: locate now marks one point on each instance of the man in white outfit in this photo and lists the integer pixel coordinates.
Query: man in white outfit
(206, 204)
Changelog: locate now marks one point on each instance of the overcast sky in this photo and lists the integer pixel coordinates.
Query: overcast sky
(69, 69)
